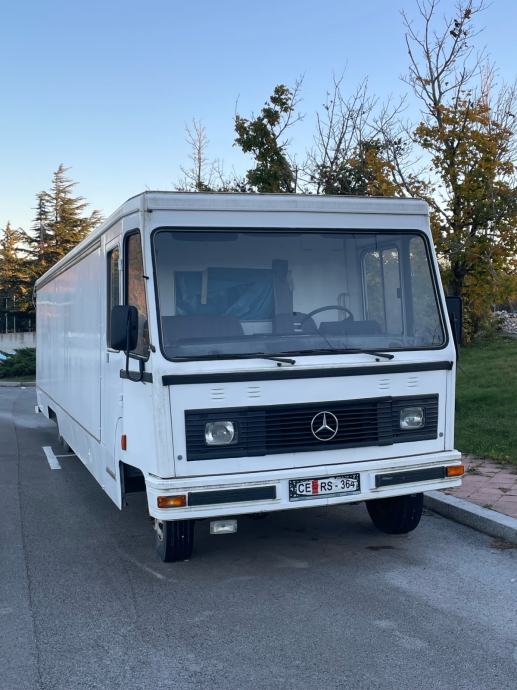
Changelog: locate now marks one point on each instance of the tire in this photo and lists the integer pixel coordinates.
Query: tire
(396, 515)
(174, 540)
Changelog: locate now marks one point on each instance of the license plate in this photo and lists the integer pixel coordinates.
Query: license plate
(320, 487)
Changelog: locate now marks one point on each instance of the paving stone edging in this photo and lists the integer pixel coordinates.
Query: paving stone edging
(482, 519)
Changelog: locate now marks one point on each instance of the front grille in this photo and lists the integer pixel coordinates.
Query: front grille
(280, 429)
(359, 422)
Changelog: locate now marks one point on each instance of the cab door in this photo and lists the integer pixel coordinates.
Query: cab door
(139, 418)
(111, 386)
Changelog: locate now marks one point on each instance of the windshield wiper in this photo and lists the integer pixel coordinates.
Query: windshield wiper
(274, 358)
(374, 353)
(263, 355)
(332, 351)
(240, 355)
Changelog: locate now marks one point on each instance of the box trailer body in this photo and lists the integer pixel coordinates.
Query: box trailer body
(291, 351)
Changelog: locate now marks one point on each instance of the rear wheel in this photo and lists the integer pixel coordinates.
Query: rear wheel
(174, 539)
(398, 514)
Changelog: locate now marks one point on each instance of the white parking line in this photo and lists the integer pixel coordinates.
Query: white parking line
(51, 458)
(159, 576)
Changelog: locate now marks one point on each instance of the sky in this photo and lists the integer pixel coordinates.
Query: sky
(106, 87)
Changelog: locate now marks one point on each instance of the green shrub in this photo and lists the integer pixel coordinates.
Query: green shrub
(21, 363)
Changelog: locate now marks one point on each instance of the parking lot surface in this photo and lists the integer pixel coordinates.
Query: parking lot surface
(302, 599)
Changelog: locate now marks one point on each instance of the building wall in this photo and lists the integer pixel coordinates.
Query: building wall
(9, 342)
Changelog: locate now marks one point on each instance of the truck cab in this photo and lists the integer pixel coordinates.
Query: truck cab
(302, 353)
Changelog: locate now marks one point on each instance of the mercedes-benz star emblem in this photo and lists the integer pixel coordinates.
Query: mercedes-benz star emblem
(324, 426)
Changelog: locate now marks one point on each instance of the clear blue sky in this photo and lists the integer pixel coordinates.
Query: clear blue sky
(106, 86)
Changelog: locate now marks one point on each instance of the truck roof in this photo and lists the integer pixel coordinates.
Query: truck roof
(169, 200)
(229, 201)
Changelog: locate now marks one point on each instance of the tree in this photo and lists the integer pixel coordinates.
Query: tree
(204, 174)
(475, 225)
(348, 157)
(60, 222)
(199, 176)
(468, 135)
(40, 238)
(264, 137)
(366, 171)
(15, 283)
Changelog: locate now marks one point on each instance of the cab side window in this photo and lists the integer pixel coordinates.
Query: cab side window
(136, 290)
(113, 285)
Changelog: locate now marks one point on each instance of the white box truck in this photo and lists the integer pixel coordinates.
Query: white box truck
(234, 354)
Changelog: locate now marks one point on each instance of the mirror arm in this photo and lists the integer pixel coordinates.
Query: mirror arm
(454, 329)
(141, 365)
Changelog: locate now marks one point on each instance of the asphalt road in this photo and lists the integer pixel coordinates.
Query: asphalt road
(307, 599)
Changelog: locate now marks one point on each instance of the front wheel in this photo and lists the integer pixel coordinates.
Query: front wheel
(398, 514)
(174, 539)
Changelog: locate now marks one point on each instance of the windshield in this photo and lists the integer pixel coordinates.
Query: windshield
(237, 293)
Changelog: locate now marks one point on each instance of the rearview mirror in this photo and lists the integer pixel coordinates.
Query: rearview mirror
(455, 311)
(124, 328)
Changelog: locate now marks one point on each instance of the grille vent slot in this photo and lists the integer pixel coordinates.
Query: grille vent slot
(217, 393)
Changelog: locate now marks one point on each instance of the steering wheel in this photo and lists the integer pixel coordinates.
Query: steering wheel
(328, 308)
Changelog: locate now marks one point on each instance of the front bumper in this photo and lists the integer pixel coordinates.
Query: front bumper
(261, 485)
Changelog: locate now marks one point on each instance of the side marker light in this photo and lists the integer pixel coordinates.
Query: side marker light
(172, 501)
(454, 471)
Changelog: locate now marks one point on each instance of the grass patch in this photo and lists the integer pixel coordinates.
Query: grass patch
(486, 400)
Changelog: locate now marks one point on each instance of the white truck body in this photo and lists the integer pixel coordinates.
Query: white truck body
(82, 384)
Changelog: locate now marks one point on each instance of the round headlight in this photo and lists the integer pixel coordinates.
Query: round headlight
(412, 418)
(220, 433)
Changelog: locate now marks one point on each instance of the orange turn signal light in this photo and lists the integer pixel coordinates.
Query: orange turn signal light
(454, 471)
(123, 442)
(172, 501)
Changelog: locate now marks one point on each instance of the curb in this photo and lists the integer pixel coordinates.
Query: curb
(482, 519)
(17, 384)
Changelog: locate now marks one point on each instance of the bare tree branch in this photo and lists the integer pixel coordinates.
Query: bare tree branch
(199, 176)
(341, 127)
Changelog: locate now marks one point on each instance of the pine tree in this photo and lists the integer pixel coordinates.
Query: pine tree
(60, 222)
(40, 237)
(15, 280)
